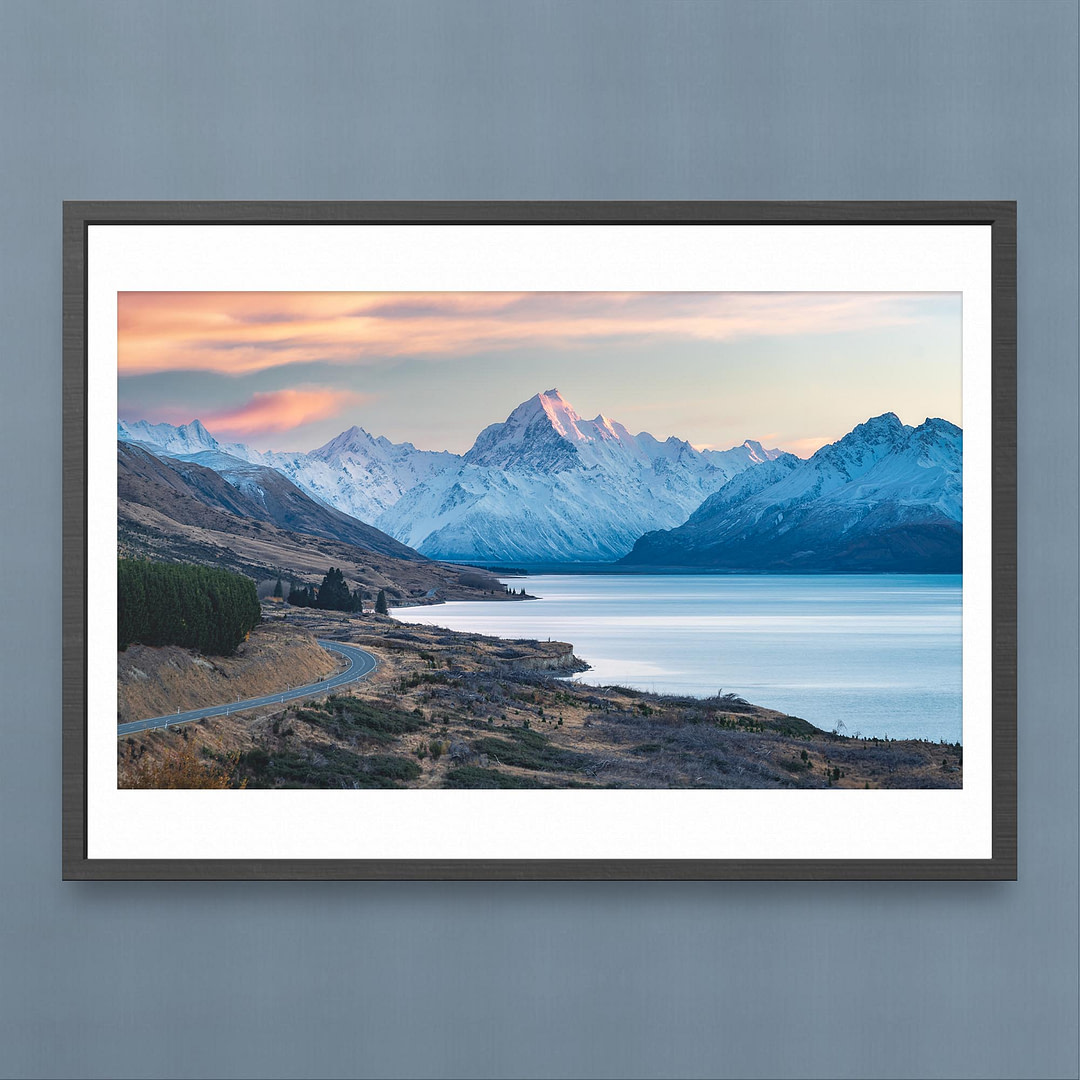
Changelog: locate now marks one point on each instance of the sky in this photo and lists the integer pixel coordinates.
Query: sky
(289, 371)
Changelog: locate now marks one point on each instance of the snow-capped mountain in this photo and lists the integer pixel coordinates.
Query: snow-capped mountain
(546, 485)
(359, 474)
(355, 473)
(190, 438)
(884, 497)
(184, 489)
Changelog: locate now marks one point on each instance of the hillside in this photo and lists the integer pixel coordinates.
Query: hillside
(183, 512)
(884, 498)
(256, 492)
(158, 681)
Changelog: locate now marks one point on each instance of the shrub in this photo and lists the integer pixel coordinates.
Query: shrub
(365, 718)
(186, 768)
(257, 760)
(392, 768)
(472, 776)
(529, 750)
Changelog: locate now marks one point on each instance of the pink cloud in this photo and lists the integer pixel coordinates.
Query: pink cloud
(273, 412)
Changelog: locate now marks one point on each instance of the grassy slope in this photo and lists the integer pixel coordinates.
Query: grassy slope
(155, 681)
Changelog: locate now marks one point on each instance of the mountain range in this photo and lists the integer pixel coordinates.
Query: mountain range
(548, 486)
(260, 524)
(885, 497)
(545, 485)
(186, 490)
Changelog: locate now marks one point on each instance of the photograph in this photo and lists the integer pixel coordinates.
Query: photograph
(536, 540)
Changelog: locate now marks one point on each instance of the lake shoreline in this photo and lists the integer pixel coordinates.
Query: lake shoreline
(874, 654)
(524, 570)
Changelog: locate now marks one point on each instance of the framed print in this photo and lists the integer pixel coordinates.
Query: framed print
(539, 540)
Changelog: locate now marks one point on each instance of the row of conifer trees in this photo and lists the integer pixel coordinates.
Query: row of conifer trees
(332, 595)
(194, 606)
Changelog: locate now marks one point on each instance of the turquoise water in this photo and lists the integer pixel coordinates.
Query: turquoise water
(876, 655)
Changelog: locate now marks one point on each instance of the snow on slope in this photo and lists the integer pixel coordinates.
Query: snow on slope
(548, 485)
(885, 496)
(359, 475)
(543, 485)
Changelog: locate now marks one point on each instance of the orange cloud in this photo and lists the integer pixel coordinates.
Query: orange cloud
(808, 446)
(240, 333)
(277, 411)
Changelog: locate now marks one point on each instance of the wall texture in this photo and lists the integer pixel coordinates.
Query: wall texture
(590, 100)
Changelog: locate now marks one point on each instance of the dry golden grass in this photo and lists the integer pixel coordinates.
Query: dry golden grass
(186, 767)
(156, 681)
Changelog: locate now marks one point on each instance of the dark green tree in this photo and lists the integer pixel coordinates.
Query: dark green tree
(380, 604)
(334, 594)
(195, 606)
(279, 592)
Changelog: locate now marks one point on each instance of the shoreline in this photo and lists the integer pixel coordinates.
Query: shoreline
(525, 570)
(665, 660)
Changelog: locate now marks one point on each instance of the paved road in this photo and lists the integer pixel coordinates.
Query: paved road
(361, 664)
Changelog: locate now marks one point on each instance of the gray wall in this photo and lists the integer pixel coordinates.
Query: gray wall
(537, 100)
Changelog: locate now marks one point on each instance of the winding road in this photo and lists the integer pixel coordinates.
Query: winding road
(361, 664)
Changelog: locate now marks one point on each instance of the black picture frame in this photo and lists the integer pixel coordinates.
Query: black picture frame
(999, 215)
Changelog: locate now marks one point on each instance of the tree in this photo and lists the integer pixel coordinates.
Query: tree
(380, 603)
(198, 607)
(279, 592)
(334, 594)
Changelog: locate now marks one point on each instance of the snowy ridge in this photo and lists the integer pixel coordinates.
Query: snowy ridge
(548, 485)
(885, 496)
(359, 475)
(543, 485)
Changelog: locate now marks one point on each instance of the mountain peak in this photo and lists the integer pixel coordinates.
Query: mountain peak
(885, 428)
(862, 446)
(538, 433)
(758, 453)
(558, 410)
(352, 439)
(185, 439)
(887, 421)
(938, 425)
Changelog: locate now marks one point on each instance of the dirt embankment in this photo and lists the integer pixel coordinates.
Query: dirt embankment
(156, 681)
(554, 656)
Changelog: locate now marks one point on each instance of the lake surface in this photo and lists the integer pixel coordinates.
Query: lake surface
(879, 655)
